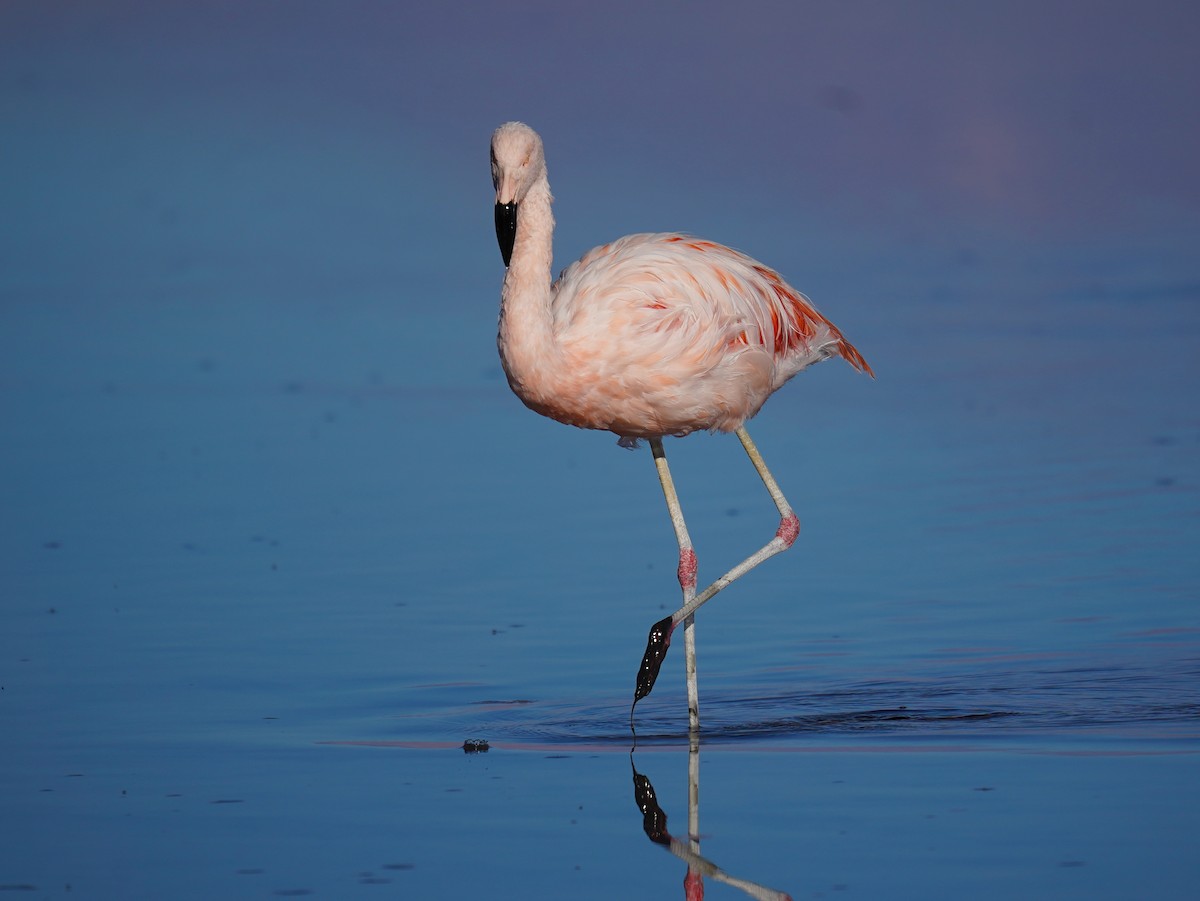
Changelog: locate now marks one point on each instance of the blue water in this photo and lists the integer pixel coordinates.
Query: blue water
(277, 539)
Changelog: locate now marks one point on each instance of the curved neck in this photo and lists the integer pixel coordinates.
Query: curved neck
(526, 330)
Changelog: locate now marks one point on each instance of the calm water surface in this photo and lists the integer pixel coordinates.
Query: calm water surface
(251, 625)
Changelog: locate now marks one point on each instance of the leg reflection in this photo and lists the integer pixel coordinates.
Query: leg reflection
(654, 824)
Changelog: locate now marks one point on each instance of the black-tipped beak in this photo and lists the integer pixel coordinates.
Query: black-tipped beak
(506, 228)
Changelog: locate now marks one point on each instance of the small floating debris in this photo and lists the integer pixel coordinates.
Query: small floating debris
(475, 746)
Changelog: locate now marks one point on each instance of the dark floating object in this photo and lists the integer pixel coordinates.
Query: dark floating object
(475, 746)
(656, 650)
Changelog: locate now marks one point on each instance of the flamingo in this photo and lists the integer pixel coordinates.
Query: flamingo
(648, 336)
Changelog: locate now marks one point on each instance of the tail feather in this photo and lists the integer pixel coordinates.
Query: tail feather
(851, 355)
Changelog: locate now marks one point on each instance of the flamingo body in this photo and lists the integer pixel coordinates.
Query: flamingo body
(664, 334)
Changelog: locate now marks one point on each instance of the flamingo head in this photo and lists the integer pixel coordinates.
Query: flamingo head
(518, 161)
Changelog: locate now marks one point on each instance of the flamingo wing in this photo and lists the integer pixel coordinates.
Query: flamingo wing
(684, 310)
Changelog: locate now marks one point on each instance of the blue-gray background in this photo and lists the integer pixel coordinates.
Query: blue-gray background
(264, 485)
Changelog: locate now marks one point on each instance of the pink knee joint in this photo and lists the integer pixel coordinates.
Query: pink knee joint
(687, 568)
(789, 529)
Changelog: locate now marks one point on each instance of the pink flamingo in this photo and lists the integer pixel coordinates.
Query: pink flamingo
(651, 335)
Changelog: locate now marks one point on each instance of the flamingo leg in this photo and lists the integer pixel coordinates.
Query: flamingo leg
(659, 639)
(687, 579)
(785, 535)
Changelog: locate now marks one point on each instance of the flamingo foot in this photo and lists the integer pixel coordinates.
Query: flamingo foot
(656, 650)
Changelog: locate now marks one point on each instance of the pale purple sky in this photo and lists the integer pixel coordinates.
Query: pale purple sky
(1074, 111)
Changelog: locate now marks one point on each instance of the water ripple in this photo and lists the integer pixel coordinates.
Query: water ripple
(1007, 703)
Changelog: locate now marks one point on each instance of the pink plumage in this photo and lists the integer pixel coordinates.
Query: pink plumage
(664, 334)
